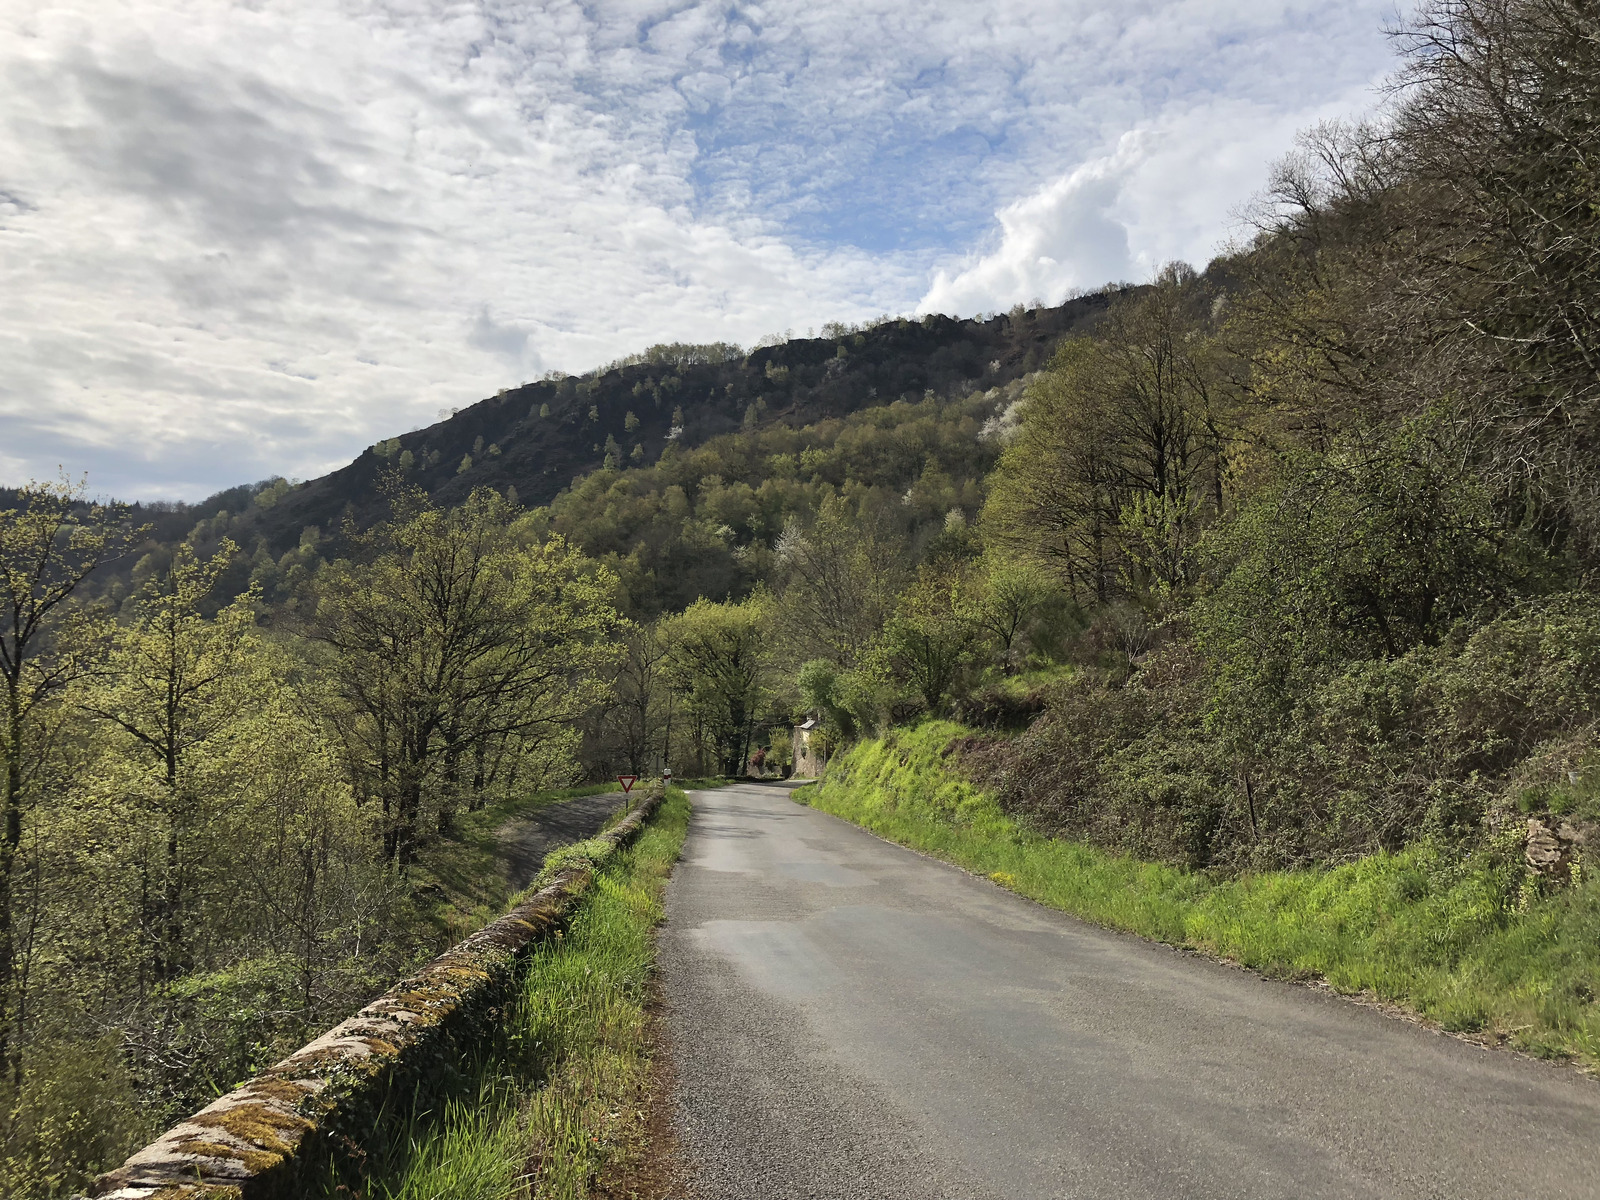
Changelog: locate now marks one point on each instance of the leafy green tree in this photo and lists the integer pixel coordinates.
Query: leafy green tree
(839, 581)
(1122, 455)
(173, 685)
(1012, 596)
(49, 546)
(929, 637)
(717, 655)
(455, 642)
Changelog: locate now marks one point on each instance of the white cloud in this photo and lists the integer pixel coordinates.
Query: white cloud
(238, 239)
(1067, 235)
(1167, 191)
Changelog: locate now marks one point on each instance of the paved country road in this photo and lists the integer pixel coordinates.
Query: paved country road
(850, 1019)
(525, 842)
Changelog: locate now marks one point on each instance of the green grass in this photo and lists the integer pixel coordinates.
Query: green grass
(1470, 944)
(1023, 682)
(457, 878)
(558, 1098)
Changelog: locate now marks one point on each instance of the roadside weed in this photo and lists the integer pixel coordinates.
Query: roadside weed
(556, 1099)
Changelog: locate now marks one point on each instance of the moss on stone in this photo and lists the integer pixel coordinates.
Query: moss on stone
(258, 1124)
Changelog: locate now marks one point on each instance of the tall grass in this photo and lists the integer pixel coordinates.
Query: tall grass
(1470, 943)
(557, 1099)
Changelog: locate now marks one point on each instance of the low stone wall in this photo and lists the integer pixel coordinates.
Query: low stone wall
(271, 1137)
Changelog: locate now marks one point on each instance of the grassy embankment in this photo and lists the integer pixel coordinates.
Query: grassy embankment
(1467, 943)
(559, 1098)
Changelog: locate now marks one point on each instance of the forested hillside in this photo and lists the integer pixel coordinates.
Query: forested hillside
(538, 437)
(1282, 564)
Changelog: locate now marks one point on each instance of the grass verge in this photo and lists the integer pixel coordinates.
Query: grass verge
(1468, 943)
(559, 1098)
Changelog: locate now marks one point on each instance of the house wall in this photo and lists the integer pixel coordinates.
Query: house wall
(806, 764)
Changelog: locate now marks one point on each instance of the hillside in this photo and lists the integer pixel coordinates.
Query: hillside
(537, 438)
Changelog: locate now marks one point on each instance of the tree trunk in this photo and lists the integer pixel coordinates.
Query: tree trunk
(9, 846)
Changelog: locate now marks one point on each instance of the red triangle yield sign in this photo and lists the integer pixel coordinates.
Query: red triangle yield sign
(627, 781)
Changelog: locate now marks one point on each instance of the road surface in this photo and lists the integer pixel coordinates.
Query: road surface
(525, 841)
(850, 1019)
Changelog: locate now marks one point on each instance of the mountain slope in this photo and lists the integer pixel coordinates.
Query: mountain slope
(537, 438)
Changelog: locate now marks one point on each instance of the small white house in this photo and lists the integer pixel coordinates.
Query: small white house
(807, 749)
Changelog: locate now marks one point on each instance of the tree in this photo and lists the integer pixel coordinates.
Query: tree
(1123, 450)
(639, 696)
(717, 656)
(49, 546)
(1012, 594)
(1380, 545)
(455, 641)
(1494, 145)
(840, 578)
(174, 684)
(929, 637)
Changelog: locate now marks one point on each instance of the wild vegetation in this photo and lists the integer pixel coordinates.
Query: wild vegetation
(219, 834)
(1263, 596)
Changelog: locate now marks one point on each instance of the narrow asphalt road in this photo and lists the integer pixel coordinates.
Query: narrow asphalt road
(850, 1019)
(525, 842)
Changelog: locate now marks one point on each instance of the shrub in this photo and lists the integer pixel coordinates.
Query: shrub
(75, 1115)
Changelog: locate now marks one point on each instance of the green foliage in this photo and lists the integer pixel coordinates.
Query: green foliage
(818, 681)
(929, 637)
(1282, 579)
(1122, 456)
(74, 1115)
(1018, 605)
(717, 658)
(207, 856)
(1372, 549)
(461, 655)
(710, 521)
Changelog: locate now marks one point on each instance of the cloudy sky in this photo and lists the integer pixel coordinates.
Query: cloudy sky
(250, 238)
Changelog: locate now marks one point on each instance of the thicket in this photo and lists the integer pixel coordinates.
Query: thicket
(1336, 520)
(217, 834)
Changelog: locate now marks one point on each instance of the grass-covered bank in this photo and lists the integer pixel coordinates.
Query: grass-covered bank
(557, 1099)
(1468, 943)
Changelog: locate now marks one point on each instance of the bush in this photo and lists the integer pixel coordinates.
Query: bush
(1445, 742)
(999, 707)
(75, 1115)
